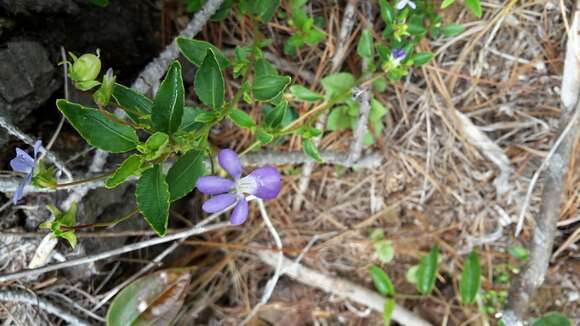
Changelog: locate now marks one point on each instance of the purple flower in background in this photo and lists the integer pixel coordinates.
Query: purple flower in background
(403, 3)
(23, 163)
(263, 183)
(398, 54)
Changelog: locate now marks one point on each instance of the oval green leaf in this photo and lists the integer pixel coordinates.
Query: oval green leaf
(152, 195)
(552, 319)
(382, 281)
(209, 82)
(365, 44)
(474, 7)
(388, 308)
(241, 118)
(195, 51)
(168, 105)
(128, 168)
(304, 94)
(136, 105)
(310, 149)
(470, 278)
(337, 86)
(154, 299)
(268, 87)
(452, 30)
(97, 130)
(183, 174)
(427, 271)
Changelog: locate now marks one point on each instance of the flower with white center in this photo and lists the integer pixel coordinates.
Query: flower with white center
(403, 3)
(263, 183)
(25, 164)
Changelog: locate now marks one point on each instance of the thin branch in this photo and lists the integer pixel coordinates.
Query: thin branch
(269, 289)
(116, 252)
(22, 297)
(533, 274)
(340, 287)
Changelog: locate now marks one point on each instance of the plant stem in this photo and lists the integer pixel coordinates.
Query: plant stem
(78, 182)
(103, 224)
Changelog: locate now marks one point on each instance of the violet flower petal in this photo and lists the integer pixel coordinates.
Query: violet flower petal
(267, 180)
(240, 212)
(218, 203)
(230, 162)
(19, 193)
(37, 146)
(22, 163)
(213, 185)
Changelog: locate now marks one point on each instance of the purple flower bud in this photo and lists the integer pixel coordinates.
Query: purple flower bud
(24, 163)
(267, 181)
(240, 212)
(218, 203)
(230, 162)
(398, 54)
(212, 185)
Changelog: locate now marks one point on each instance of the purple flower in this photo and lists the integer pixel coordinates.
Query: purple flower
(263, 183)
(398, 54)
(23, 163)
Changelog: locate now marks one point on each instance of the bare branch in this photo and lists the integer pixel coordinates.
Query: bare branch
(340, 287)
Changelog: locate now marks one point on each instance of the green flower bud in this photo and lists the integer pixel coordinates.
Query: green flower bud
(84, 70)
(103, 95)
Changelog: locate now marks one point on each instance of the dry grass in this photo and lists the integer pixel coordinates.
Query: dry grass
(435, 186)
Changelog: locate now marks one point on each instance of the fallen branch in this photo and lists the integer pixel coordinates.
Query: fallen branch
(23, 297)
(339, 287)
(533, 274)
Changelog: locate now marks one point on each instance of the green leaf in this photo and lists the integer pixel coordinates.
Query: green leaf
(274, 116)
(427, 271)
(168, 105)
(339, 119)
(552, 319)
(266, 9)
(377, 235)
(304, 94)
(100, 3)
(153, 199)
(97, 130)
(195, 51)
(129, 167)
(474, 6)
(209, 82)
(422, 58)
(411, 274)
(314, 36)
(387, 11)
(69, 236)
(382, 281)
(388, 308)
(365, 44)
(266, 88)
(155, 299)
(310, 149)
(518, 252)
(183, 174)
(452, 30)
(337, 86)
(377, 111)
(263, 67)
(446, 3)
(415, 25)
(223, 11)
(384, 250)
(189, 121)
(241, 118)
(470, 279)
(136, 105)
(155, 146)
(263, 136)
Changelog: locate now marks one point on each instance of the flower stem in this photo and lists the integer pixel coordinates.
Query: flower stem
(78, 182)
(103, 224)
